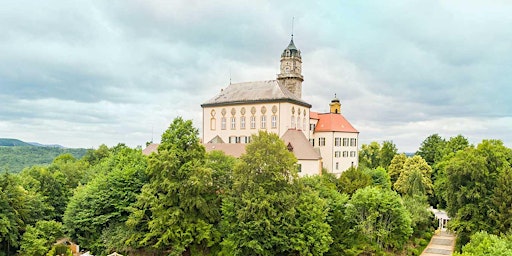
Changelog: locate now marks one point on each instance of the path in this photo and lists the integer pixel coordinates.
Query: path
(442, 243)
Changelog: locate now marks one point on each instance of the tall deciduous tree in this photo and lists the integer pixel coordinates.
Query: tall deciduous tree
(387, 153)
(415, 177)
(268, 212)
(37, 241)
(352, 180)
(472, 179)
(103, 204)
(431, 149)
(396, 167)
(380, 220)
(177, 211)
(369, 155)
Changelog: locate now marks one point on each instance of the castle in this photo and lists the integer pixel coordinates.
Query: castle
(318, 140)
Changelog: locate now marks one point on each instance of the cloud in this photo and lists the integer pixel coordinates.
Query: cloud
(85, 73)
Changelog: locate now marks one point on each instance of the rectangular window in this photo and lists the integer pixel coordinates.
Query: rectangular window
(233, 123)
(242, 122)
(237, 139)
(223, 123)
(274, 121)
(253, 122)
(321, 141)
(353, 142)
(311, 127)
(337, 153)
(345, 153)
(337, 142)
(263, 122)
(352, 153)
(312, 141)
(345, 142)
(337, 166)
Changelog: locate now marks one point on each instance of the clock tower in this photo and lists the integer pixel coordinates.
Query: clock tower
(291, 70)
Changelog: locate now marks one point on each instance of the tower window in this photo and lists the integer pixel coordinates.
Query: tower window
(223, 123)
(345, 142)
(212, 124)
(321, 141)
(337, 153)
(345, 153)
(312, 141)
(233, 123)
(263, 122)
(274, 121)
(242, 122)
(253, 122)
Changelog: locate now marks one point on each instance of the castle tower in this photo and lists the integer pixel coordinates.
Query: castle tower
(335, 105)
(291, 70)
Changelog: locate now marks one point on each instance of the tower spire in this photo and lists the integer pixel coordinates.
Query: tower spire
(293, 20)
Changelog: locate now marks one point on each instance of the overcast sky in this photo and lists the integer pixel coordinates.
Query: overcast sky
(86, 73)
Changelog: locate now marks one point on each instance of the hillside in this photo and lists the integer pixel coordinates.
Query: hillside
(13, 142)
(14, 158)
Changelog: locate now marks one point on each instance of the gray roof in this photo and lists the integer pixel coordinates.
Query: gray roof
(254, 92)
(302, 148)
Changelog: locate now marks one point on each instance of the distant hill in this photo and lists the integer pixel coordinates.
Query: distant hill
(12, 143)
(16, 154)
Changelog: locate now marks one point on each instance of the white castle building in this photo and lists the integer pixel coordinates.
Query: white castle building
(318, 140)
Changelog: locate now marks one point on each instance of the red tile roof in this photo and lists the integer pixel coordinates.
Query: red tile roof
(230, 149)
(331, 122)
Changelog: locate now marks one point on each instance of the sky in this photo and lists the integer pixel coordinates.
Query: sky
(86, 73)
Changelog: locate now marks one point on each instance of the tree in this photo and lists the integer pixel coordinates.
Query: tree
(379, 220)
(415, 177)
(431, 149)
(335, 206)
(103, 203)
(501, 199)
(177, 210)
(396, 166)
(222, 170)
(37, 241)
(369, 155)
(18, 208)
(268, 212)
(471, 180)
(483, 244)
(380, 177)
(353, 179)
(387, 153)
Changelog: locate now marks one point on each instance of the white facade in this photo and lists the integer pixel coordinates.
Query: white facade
(241, 110)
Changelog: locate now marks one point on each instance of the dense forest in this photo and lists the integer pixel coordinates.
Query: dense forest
(16, 155)
(185, 201)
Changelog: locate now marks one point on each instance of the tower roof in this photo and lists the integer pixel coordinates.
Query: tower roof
(331, 122)
(291, 50)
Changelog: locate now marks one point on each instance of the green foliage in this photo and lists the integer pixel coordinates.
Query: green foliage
(13, 142)
(379, 220)
(374, 155)
(37, 241)
(431, 149)
(483, 244)
(369, 155)
(396, 166)
(501, 200)
(59, 250)
(178, 209)
(222, 170)
(268, 212)
(325, 185)
(387, 153)
(415, 177)
(14, 159)
(380, 177)
(471, 181)
(18, 208)
(353, 179)
(103, 204)
(421, 217)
